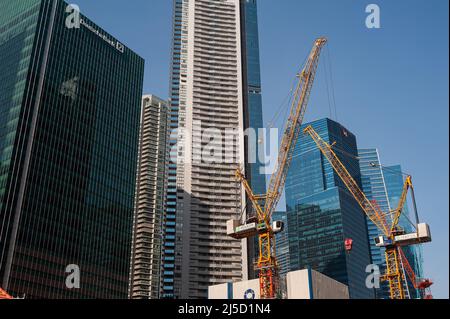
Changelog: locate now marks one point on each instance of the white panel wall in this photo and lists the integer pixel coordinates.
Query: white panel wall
(301, 284)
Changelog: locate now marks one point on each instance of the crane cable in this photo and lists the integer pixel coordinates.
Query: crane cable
(287, 101)
(325, 73)
(280, 109)
(327, 49)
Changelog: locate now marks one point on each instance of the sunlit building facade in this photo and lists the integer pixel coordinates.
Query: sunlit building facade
(215, 85)
(151, 186)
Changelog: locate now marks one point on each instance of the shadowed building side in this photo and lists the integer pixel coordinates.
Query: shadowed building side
(70, 108)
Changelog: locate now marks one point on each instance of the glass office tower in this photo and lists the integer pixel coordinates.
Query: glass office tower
(252, 92)
(253, 117)
(69, 124)
(322, 214)
(384, 186)
(282, 243)
(373, 185)
(215, 84)
(394, 181)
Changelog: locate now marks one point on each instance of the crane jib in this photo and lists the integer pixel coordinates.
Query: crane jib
(267, 262)
(293, 127)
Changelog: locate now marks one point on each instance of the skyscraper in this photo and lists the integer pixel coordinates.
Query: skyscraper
(151, 185)
(215, 87)
(373, 185)
(70, 105)
(253, 117)
(384, 185)
(393, 176)
(322, 214)
(282, 243)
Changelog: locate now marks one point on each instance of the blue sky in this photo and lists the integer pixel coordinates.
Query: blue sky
(390, 84)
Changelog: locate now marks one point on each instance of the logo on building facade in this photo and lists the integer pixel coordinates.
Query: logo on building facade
(115, 44)
(74, 21)
(249, 294)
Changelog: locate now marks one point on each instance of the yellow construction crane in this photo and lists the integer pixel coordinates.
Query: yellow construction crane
(423, 285)
(393, 236)
(264, 205)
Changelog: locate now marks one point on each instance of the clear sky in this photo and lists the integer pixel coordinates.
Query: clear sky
(390, 84)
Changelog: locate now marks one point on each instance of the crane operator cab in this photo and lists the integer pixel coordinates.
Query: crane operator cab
(277, 226)
(422, 235)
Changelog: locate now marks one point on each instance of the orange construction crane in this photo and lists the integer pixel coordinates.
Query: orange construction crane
(4, 295)
(264, 205)
(393, 236)
(423, 285)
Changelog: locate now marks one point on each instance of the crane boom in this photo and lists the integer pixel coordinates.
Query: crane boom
(398, 211)
(293, 127)
(267, 265)
(409, 271)
(372, 211)
(251, 196)
(395, 237)
(393, 274)
(423, 285)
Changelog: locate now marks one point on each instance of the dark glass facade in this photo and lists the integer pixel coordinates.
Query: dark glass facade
(384, 185)
(393, 177)
(373, 185)
(322, 213)
(282, 243)
(252, 90)
(253, 114)
(70, 108)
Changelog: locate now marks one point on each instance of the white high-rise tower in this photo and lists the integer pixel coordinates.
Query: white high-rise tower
(209, 98)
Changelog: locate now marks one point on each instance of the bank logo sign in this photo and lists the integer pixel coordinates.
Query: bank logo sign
(115, 44)
(74, 21)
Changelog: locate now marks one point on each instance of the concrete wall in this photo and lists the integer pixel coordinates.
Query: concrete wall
(324, 287)
(218, 291)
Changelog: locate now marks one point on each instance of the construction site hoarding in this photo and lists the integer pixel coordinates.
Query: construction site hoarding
(301, 284)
